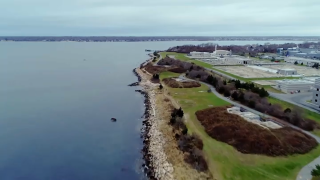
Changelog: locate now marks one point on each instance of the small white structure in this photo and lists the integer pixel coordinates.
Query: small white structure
(294, 85)
(221, 52)
(316, 92)
(253, 118)
(287, 72)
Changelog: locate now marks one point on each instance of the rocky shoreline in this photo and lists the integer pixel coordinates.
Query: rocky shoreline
(156, 166)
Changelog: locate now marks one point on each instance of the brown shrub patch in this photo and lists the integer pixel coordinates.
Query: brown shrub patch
(252, 139)
(155, 69)
(171, 82)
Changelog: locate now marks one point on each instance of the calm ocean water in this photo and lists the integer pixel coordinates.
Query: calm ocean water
(56, 101)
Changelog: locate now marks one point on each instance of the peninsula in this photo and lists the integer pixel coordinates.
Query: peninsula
(205, 122)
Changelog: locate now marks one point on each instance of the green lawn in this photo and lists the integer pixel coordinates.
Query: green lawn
(271, 89)
(168, 74)
(224, 161)
(183, 57)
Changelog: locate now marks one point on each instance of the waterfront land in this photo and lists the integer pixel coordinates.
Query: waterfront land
(224, 161)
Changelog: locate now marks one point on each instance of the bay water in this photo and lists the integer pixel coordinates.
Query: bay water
(56, 101)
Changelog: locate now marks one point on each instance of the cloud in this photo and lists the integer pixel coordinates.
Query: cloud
(159, 17)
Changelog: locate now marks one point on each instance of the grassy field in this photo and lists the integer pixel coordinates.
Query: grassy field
(271, 89)
(182, 57)
(224, 161)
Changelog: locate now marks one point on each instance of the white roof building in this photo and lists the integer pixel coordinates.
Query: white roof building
(287, 72)
(216, 53)
(305, 61)
(294, 85)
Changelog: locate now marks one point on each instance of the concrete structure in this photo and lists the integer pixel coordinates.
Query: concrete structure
(287, 72)
(316, 93)
(305, 61)
(200, 54)
(253, 118)
(294, 85)
(216, 53)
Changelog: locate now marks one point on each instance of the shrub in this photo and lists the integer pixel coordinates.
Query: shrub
(184, 131)
(235, 95)
(221, 90)
(288, 110)
(172, 120)
(197, 141)
(226, 93)
(180, 112)
(252, 104)
(196, 159)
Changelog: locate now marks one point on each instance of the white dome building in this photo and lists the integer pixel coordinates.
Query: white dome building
(221, 52)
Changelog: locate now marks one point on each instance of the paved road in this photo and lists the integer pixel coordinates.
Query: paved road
(305, 172)
(299, 99)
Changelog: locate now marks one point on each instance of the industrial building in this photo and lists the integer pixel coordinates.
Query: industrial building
(200, 54)
(294, 85)
(305, 61)
(316, 93)
(287, 72)
(229, 60)
(214, 54)
(303, 52)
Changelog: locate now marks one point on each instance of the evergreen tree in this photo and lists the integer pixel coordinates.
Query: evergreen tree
(316, 172)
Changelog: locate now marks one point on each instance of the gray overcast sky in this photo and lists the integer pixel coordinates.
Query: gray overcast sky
(159, 17)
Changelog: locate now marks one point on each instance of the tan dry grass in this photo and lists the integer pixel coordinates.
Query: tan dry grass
(182, 170)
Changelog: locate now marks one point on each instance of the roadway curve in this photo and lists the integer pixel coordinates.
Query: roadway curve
(305, 172)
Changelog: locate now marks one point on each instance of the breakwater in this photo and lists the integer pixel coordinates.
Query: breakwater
(156, 166)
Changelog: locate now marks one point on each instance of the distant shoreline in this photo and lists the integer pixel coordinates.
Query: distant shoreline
(152, 38)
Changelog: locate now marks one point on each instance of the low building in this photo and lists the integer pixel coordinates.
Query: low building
(305, 61)
(233, 60)
(221, 53)
(316, 93)
(287, 72)
(294, 85)
(280, 51)
(214, 54)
